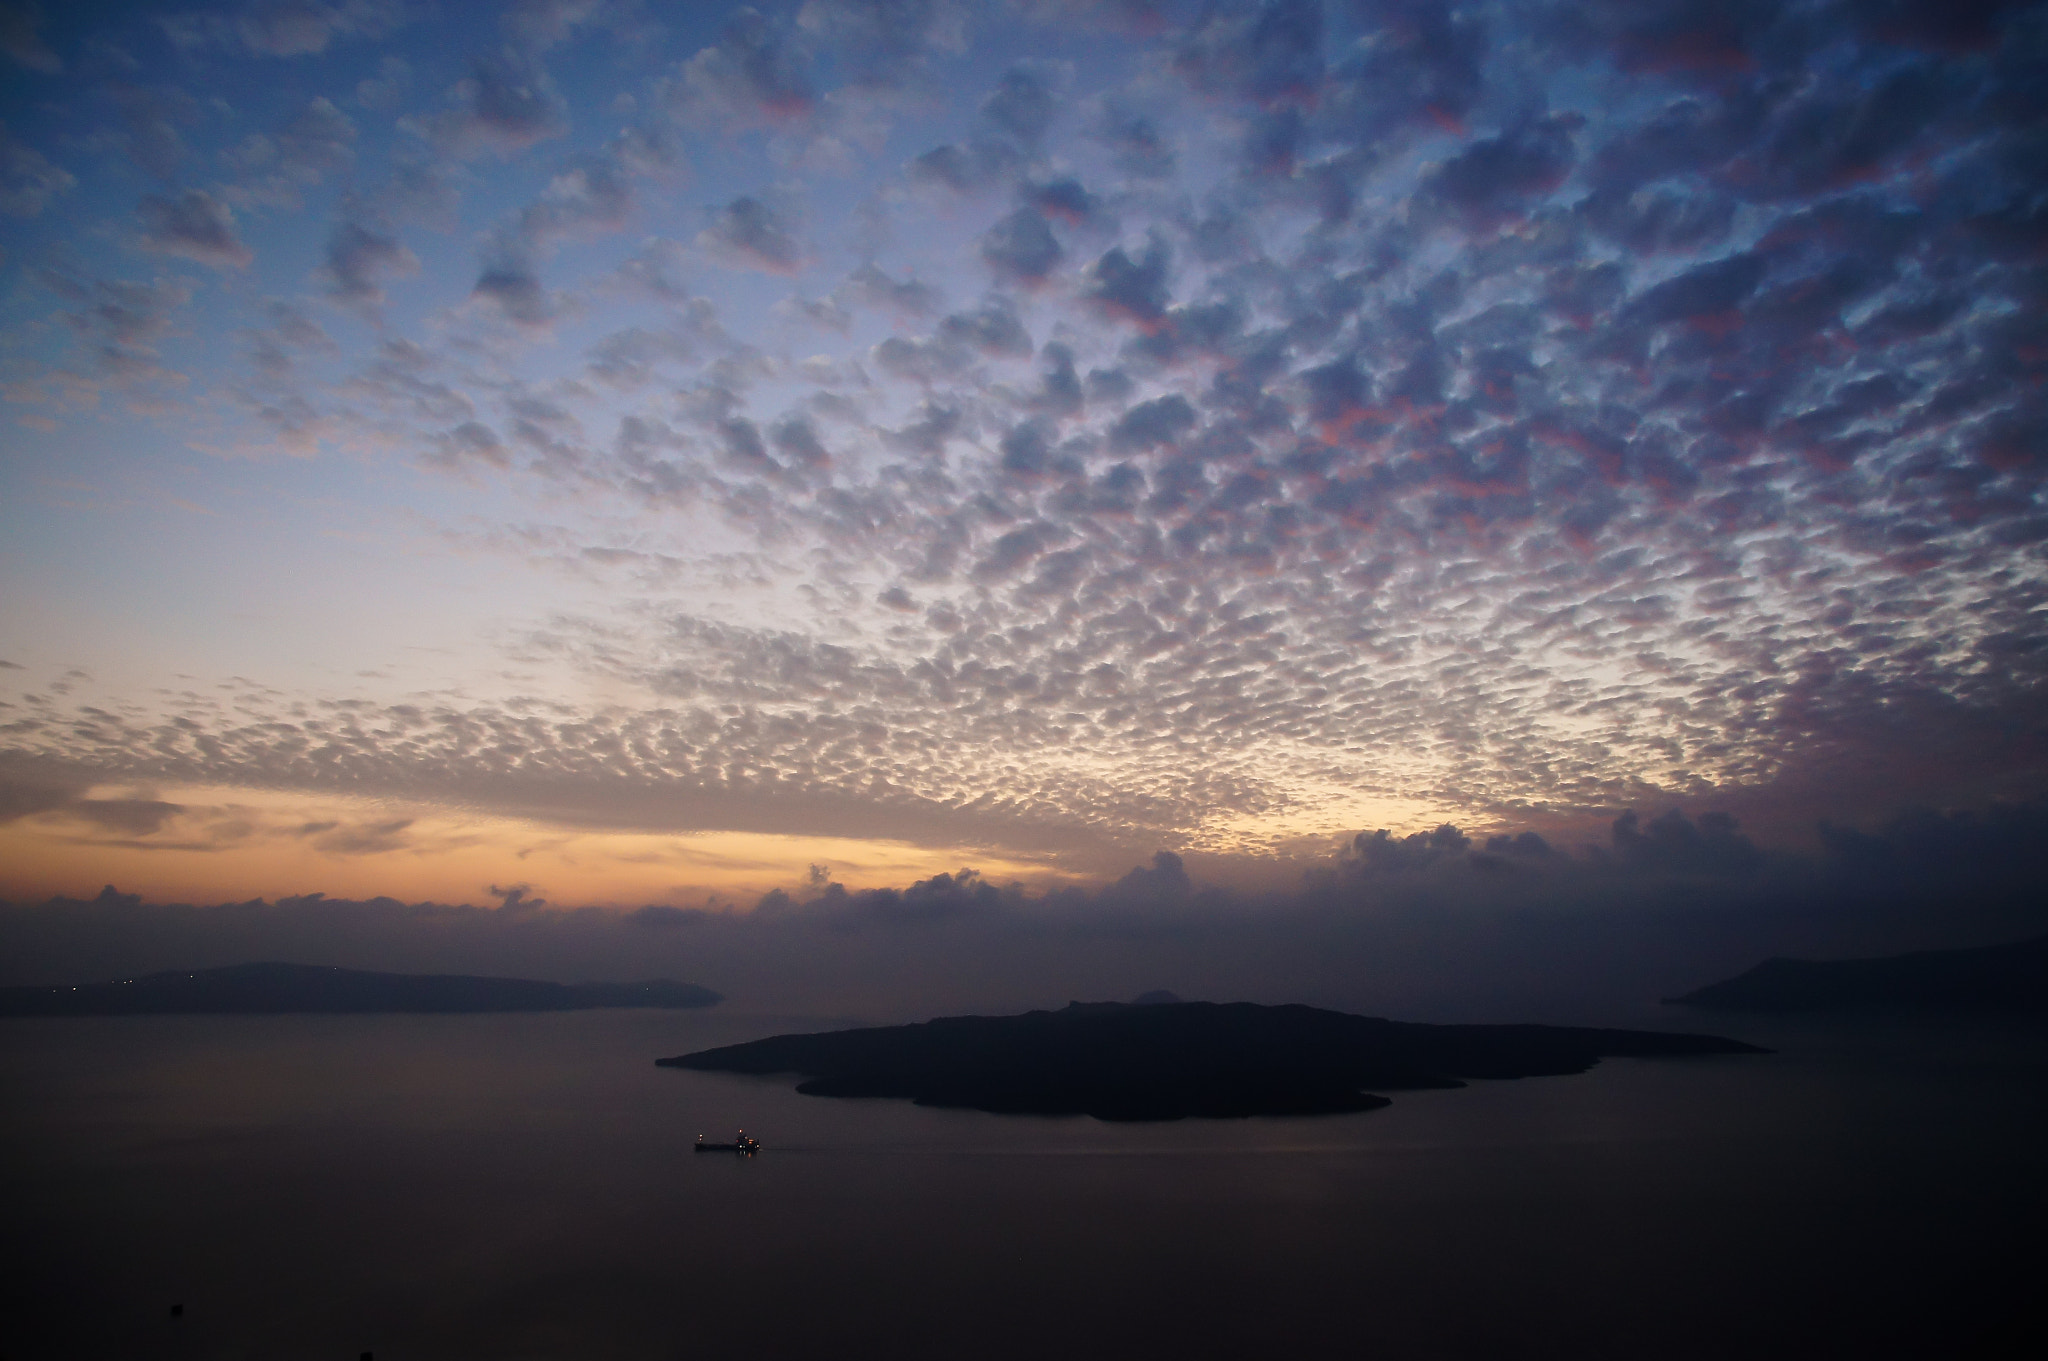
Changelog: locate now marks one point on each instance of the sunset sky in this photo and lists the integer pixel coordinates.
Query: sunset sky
(626, 453)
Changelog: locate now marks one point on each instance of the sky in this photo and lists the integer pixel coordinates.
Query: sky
(679, 458)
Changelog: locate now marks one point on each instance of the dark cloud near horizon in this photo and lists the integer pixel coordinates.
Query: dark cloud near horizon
(1429, 926)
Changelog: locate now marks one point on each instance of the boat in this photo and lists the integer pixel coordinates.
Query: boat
(741, 1145)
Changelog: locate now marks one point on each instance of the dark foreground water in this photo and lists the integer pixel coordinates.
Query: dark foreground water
(523, 1186)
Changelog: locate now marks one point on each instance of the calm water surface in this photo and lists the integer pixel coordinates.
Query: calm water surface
(523, 1186)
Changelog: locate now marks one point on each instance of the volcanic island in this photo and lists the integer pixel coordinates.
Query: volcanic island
(1170, 1061)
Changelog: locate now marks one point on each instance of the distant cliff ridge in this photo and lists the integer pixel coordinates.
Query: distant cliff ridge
(1171, 1060)
(1992, 978)
(280, 988)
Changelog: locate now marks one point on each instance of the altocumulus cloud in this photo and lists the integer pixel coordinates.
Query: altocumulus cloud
(1506, 415)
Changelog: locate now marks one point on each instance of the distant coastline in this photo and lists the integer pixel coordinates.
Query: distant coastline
(1173, 1060)
(2011, 978)
(276, 989)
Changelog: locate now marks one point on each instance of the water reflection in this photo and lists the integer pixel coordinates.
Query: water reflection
(504, 1186)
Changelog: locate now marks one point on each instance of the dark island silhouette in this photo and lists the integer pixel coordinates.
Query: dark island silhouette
(1172, 1060)
(1992, 978)
(281, 988)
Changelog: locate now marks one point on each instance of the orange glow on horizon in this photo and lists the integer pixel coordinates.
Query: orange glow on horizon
(208, 845)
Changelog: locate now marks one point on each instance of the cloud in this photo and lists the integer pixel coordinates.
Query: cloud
(195, 226)
(360, 259)
(1494, 178)
(1510, 415)
(950, 166)
(417, 191)
(1163, 420)
(1133, 290)
(509, 285)
(274, 168)
(20, 41)
(991, 331)
(591, 195)
(991, 328)
(1437, 929)
(287, 28)
(1139, 147)
(504, 106)
(374, 838)
(1027, 448)
(471, 441)
(1060, 392)
(748, 234)
(1166, 878)
(630, 359)
(27, 788)
(1418, 66)
(403, 378)
(888, 43)
(871, 287)
(1025, 101)
(28, 181)
(1270, 54)
(1653, 221)
(1934, 850)
(754, 75)
(541, 24)
(121, 322)
(1674, 843)
(1942, 28)
(150, 119)
(290, 333)
(932, 424)
(797, 440)
(119, 311)
(1021, 247)
(1068, 200)
(383, 91)
(1012, 551)
(654, 273)
(937, 899)
(1710, 290)
(318, 139)
(132, 817)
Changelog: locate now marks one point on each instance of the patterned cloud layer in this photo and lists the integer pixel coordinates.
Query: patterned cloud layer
(1070, 429)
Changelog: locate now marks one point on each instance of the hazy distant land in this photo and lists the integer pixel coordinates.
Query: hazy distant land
(280, 988)
(1174, 1060)
(1991, 978)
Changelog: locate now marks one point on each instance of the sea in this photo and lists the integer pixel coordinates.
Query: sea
(525, 1186)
